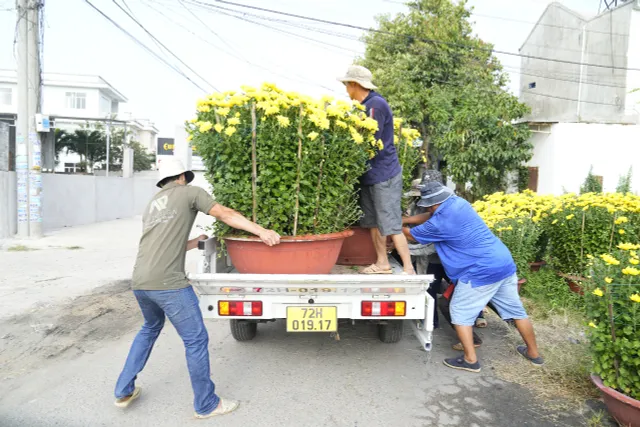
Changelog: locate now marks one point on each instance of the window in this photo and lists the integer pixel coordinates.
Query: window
(533, 179)
(5, 96)
(70, 167)
(76, 100)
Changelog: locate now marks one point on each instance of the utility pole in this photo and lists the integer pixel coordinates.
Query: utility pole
(35, 107)
(22, 123)
(28, 143)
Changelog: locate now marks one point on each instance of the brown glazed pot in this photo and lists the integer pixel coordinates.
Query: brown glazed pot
(314, 254)
(623, 408)
(535, 266)
(573, 283)
(358, 249)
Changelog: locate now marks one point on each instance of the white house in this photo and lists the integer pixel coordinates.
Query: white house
(71, 101)
(583, 110)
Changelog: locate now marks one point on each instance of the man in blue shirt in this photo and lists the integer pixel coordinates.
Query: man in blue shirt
(381, 191)
(481, 266)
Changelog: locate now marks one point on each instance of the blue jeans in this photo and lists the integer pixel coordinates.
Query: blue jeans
(181, 307)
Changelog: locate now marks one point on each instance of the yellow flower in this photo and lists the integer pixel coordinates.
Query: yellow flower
(204, 108)
(189, 137)
(234, 121)
(631, 271)
(219, 128)
(608, 279)
(223, 111)
(609, 259)
(634, 261)
(633, 254)
(205, 127)
(193, 120)
(621, 220)
(424, 159)
(555, 221)
(356, 136)
(341, 124)
(283, 121)
(598, 292)
(270, 111)
(621, 231)
(593, 325)
(635, 298)
(230, 131)
(312, 136)
(380, 145)
(570, 217)
(628, 247)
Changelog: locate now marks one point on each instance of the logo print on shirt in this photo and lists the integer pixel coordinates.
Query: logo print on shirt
(159, 204)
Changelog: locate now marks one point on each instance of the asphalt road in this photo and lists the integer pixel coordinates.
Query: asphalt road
(281, 380)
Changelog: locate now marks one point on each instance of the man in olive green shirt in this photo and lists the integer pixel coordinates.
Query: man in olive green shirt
(161, 287)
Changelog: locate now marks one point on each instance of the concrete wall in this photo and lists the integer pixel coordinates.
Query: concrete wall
(70, 200)
(8, 219)
(610, 39)
(564, 156)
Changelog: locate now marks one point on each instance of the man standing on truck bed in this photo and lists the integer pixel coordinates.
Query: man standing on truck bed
(381, 190)
(481, 266)
(161, 287)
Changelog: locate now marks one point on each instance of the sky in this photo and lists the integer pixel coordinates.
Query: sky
(228, 52)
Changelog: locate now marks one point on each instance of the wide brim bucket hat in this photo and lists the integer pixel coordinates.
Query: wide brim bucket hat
(359, 74)
(172, 166)
(433, 193)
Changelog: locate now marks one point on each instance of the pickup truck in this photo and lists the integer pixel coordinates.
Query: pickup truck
(314, 303)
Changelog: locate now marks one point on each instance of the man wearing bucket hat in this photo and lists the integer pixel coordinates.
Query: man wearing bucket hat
(481, 266)
(161, 287)
(381, 185)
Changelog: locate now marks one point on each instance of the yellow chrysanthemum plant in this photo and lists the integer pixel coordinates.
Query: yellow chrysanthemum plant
(612, 299)
(572, 227)
(290, 162)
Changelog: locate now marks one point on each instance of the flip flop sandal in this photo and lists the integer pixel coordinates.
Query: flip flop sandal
(124, 402)
(374, 269)
(225, 407)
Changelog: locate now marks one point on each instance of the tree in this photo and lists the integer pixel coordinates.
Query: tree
(624, 183)
(447, 83)
(591, 183)
(142, 160)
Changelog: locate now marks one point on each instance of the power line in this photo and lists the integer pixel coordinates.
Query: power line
(512, 70)
(427, 40)
(236, 56)
(145, 47)
(165, 47)
(570, 99)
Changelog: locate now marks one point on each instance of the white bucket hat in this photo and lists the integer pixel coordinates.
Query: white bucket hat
(172, 166)
(360, 75)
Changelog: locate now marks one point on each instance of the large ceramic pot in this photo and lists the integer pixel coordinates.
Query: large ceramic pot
(358, 249)
(315, 254)
(623, 408)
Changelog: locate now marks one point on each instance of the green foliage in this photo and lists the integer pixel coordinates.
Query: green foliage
(591, 184)
(522, 178)
(455, 96)
(521, 236)
(545, 288)
(613, 313)
(624, 182)
(142, 159)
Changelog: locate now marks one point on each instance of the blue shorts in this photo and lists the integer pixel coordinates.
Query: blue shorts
(467, 302)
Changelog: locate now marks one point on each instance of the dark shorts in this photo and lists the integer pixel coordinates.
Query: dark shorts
(381, 206)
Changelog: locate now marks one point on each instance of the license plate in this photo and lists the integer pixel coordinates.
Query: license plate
(312, 319)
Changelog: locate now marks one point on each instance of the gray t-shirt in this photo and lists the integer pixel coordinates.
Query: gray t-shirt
(167, 222)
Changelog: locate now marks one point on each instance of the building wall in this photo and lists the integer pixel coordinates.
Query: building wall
(610, 39)
(70, 200)
(564, 156)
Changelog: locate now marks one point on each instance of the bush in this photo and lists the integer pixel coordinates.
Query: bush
(591, 184)
(290, 162)
(545, 288)
(613, 312)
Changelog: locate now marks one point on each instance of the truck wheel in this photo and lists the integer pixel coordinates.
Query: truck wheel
(241, 330)
(391, 332)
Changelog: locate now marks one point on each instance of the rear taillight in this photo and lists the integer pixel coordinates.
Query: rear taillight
(240, 308)
(386, 308)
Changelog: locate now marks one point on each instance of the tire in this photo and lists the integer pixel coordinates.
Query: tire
(391, 332)
(241, 330)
